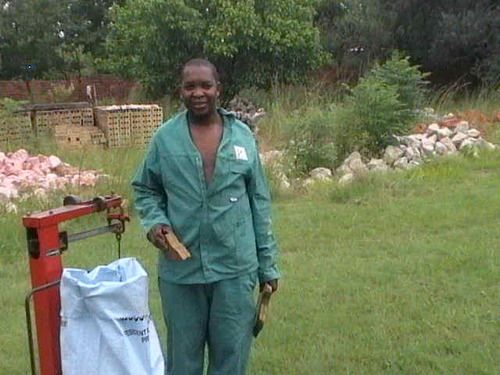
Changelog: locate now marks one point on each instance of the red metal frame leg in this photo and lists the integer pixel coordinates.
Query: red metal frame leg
(47, 303)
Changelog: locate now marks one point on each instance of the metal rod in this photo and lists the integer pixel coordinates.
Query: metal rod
(94, 232)
(28, 320)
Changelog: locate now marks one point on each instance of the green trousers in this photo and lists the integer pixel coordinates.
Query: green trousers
(219, 315)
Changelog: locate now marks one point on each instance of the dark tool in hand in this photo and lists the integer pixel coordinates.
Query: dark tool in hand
(262, 306)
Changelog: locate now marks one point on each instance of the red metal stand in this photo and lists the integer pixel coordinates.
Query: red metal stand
(45, 245)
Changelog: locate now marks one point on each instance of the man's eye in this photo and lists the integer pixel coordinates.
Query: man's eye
(207, 85)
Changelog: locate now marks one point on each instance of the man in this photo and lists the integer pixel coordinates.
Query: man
(203, 180)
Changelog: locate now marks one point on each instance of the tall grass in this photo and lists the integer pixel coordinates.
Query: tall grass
(457, 97)
(283, 103)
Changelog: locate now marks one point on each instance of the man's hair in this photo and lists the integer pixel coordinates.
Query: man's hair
(201, 62)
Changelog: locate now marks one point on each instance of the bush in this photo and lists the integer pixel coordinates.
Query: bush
(381, 105)
(375, 109)
(311, 141)
(408, 81)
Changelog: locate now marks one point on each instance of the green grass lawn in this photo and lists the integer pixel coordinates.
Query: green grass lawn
(395, 274)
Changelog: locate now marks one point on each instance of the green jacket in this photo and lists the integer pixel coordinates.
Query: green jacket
(226, 225)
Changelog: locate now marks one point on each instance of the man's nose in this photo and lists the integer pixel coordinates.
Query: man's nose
(198, 91)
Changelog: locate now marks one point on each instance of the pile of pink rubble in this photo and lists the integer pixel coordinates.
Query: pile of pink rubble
(23, 176)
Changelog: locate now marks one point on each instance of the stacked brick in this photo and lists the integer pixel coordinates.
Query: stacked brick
(79, 135)
(46, 121)
(114, 126)
(128, 125)
(15, 129)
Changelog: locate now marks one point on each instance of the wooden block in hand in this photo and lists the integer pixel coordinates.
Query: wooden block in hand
(175, 245)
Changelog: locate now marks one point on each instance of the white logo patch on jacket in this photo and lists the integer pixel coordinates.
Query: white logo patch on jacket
(240, 152)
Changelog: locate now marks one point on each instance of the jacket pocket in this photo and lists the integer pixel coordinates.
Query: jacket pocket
(239, 167)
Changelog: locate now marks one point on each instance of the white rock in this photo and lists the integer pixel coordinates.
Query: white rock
(377, 165)
(431, 138)
(401, 163)
(346, 179)
(458, 139)
(321, 173)
(440, 148)
(412, 153)
(391, 154)
(432, 129)
(462, 127)
(358, 167)
(343, 170)
(474, 133)
(427, 147)
(444, 133)
(449, 145)
(415, 140)
(22, 175)
(352, 165)
(468, 143)
(20, 154)
(54, 161)
(353, 156)
(416, 137)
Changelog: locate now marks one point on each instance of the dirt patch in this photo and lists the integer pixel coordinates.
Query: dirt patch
(485, 123)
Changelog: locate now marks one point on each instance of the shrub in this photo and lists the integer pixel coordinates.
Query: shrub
(408, 81)
(382, 104)
(377, 112)
(311, 141)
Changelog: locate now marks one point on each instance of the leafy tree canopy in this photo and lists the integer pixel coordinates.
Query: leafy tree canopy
(451, 38)
(30, 33)
(40, 38)
(252, 42)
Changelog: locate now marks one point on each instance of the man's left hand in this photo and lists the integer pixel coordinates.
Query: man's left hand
(272, 283)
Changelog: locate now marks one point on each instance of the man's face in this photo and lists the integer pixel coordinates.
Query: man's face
(199, 90)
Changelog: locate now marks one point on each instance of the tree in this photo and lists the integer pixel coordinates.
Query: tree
(40, 38)
(85, 30)
(467, 41)
(451, 38)
(30, 34)
(356, 32)
(87, 24)
(252, 42)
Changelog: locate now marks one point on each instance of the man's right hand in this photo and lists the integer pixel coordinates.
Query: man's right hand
(156, 236)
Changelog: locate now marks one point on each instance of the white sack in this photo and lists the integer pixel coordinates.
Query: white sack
(106, 326)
